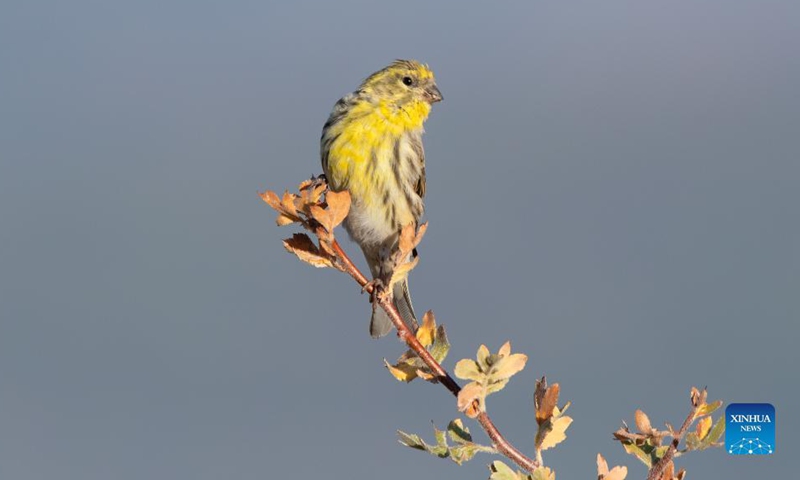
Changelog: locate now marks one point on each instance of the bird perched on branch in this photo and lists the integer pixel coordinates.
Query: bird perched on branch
(372, 146)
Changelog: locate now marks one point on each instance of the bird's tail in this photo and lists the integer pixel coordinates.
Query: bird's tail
(380, 324)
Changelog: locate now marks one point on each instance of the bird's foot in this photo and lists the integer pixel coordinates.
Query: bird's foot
(373, 286)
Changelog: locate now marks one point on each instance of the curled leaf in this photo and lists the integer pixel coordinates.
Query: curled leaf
(458, 432)
(548, 399)
(306, 250)
(403, 372)
(483, 357)
(698, 397)
(427, 331)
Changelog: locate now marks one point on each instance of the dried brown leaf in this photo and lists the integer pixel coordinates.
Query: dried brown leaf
(406, 240)
(322, 216)
(338, 207)
(548, 402)
(272, 200)
(698, 397)
(401, 271)
(420, 233)
(325, 246)
(282, 220)
(669, 472)
(538, 393)
(288, 204)
(311, 190)
(304, 248)
(643, 422)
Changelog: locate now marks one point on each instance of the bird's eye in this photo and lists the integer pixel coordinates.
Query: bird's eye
(408, 81)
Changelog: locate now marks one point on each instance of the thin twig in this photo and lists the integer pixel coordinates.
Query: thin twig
(658, 469)
(405, 334)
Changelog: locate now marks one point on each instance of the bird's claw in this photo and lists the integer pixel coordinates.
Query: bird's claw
(319, 180)
(374, 287)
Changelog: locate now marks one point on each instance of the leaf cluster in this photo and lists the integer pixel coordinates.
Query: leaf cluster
(316, 209)
(410, 366)
(501, 471)
(648, 443)
(551, 421)
(489, 373)
(462, 450)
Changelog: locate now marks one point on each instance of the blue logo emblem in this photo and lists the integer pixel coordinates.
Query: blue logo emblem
(750, 429)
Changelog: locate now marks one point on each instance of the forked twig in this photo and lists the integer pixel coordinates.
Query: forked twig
(320, 217)
(385, 301)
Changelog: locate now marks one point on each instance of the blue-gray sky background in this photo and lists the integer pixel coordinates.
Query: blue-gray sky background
(612, 185)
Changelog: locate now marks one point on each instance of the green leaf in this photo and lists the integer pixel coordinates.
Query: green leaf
(463, 453)
(411, 440)
(441, 346)
(659, 452)
(496, 386)
(458, 432)
(508, 366)
(713, 436)
(692, 441)
(543, 473)
(707, 409)
(501, 471)
(552, 432)
(467, 369)
(483, 358)
(439, 451)
(441, 440)
(639, 452)
(716, 432)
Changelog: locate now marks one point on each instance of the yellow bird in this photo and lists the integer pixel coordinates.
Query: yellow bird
(372, 146)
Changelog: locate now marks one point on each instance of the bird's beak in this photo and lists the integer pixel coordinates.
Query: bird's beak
(433, 94)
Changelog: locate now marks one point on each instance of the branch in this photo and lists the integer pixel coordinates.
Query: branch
(698, 403)
(405, 334)
(658, 469)
(321, 217)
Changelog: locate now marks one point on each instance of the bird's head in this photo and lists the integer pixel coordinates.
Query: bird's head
(404, 83)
